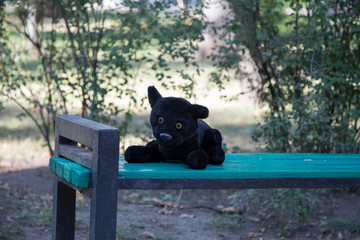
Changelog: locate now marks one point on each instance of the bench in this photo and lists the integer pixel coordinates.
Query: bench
(87, 160)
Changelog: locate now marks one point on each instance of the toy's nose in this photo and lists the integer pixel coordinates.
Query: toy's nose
(165, 137)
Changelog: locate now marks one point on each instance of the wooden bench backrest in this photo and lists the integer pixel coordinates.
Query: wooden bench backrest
(85, 141)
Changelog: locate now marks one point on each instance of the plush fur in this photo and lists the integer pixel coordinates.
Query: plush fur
(179, 134)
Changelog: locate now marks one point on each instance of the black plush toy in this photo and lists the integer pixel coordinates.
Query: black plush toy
(179, 134)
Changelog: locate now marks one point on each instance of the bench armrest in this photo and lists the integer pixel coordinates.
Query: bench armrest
(96, 147)
(93, 145)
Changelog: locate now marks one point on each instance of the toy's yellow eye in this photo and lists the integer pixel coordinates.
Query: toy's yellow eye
(161, 120)
(178, 125)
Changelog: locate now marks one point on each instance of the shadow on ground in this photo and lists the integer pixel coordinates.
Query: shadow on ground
(26, 203)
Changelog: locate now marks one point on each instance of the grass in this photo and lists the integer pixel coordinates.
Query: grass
(227, 221)
(128, 232)
(339, 224)
(21, 208)
(15, 127)
(21, 145)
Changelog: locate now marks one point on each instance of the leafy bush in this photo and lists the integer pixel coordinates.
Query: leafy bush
(307, 55)
(80, 57)
(289, 207)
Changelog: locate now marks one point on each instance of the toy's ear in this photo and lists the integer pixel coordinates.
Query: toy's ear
(199, 111)
(153, 95)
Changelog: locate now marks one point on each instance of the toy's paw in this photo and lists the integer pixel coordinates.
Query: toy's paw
(197, 159)
(216, 155)
(137, 154)
(212, 138)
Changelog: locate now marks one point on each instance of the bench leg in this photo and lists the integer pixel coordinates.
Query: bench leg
(63, 225)
(103, 212)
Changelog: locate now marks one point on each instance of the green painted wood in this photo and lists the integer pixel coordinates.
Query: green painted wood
(254, 165)
(72, 172)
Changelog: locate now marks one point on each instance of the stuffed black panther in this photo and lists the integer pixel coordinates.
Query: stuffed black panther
(179, 134)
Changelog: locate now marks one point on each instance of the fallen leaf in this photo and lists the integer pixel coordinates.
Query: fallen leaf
(161, 203)
(253, 219)
(5, 186)
(230, 210)
(165, 211)
(133, 195)
(147, 234)
(340, 236)
(184, 215)
(46, 197)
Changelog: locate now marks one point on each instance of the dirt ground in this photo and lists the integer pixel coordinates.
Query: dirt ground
(25, 212)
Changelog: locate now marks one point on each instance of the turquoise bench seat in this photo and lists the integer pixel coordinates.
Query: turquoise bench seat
(236, 166)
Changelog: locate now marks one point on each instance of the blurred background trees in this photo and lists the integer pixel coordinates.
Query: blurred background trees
(299, 58)
(83, 57)
(87, 57)
(307, 55)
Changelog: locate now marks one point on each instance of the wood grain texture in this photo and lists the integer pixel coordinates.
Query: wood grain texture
(253, 165)
(236, 166)
(72, 172)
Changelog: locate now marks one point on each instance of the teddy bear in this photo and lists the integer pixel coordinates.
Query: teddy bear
(179, 134)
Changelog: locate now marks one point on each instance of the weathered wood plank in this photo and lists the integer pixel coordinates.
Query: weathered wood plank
(77, 154)
(236, 166)
(236, 183)
(266, 165)
(79, 129)
(72, 172)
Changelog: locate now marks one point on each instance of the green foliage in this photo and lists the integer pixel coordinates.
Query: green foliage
(307, 55)
(340, 225)
(290, 207)
(3, 47)
(23, 209)
(228, 221)
(79, 57)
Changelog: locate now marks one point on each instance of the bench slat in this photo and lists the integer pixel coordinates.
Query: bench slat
(236, 183)
(72, 172)
(78, 129)
(76, 153)
(238, 171)
(268, 165)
